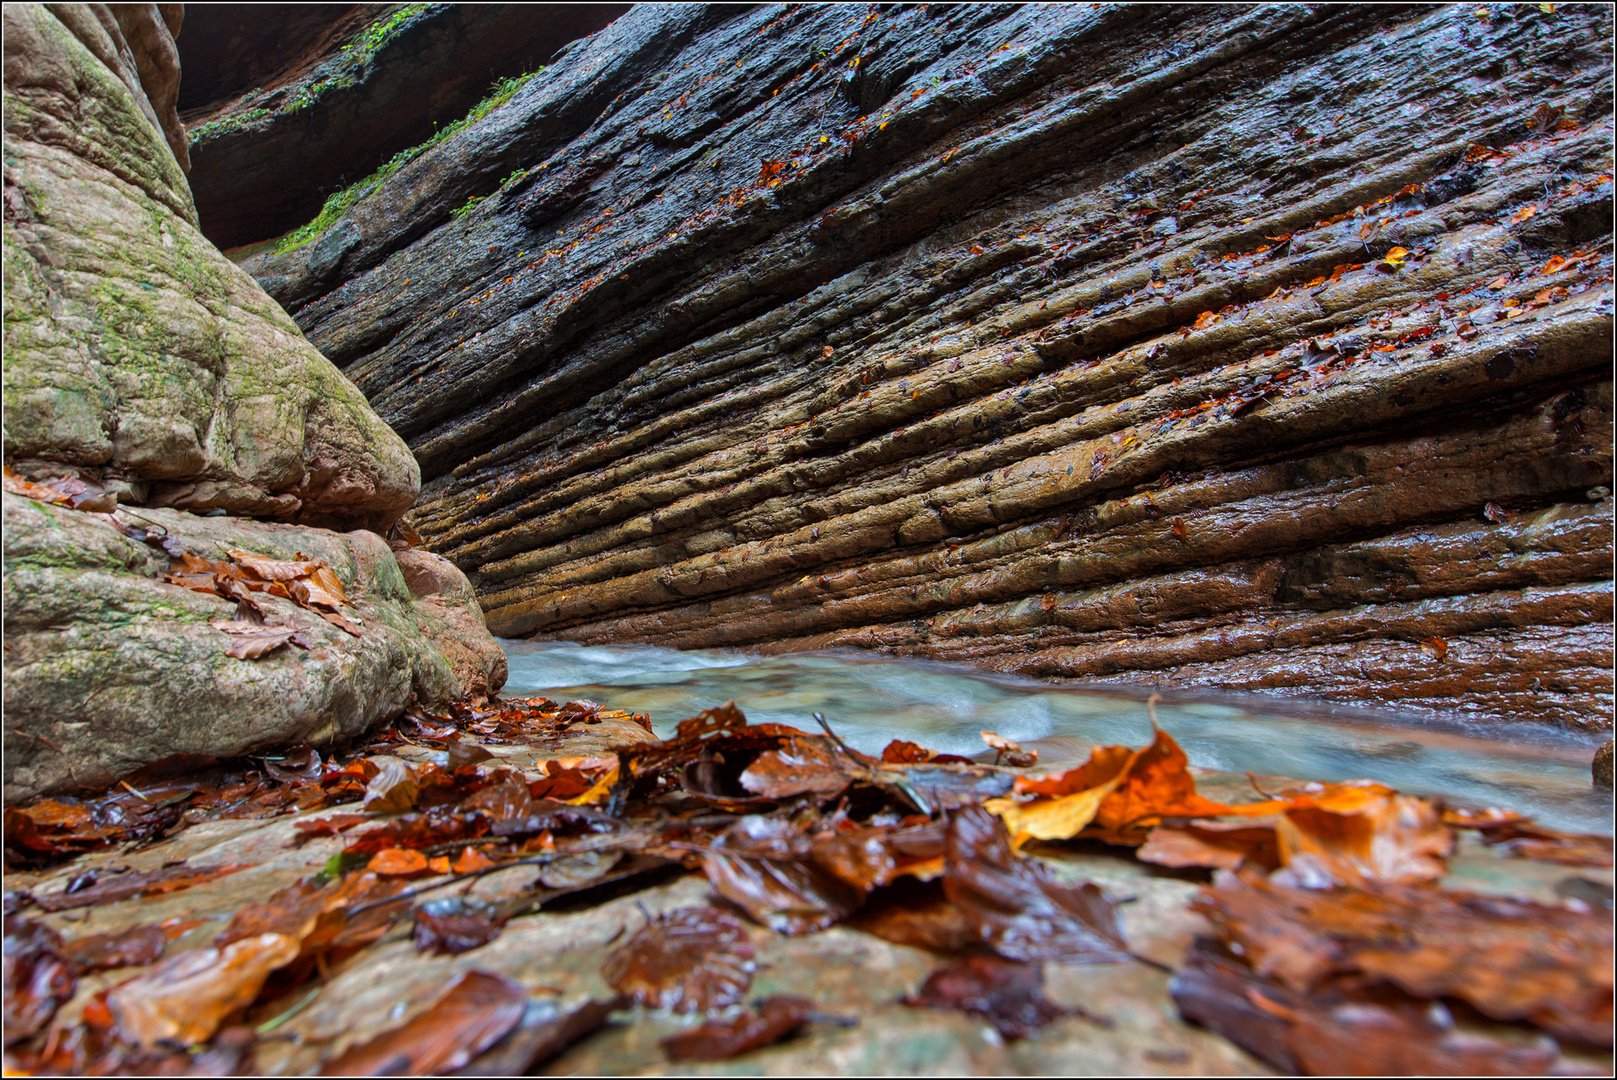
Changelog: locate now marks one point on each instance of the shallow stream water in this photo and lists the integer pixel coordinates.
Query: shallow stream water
(870, 700)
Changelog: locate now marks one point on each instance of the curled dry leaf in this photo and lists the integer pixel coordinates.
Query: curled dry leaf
(1120, 790)
(1007, 993)
(475, 1012)
(393, 788)
(186, 997)
(719, 1040)
(1018, 909)
(689, 960)
(37, 976)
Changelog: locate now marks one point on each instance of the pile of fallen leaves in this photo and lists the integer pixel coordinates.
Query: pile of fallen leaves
(1331, 948)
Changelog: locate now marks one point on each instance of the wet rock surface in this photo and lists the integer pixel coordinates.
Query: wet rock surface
(137, 356)
(109, 667)
(343, 90)
(1263, 348)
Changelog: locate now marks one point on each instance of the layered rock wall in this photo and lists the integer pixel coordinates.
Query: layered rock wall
(1251, 347)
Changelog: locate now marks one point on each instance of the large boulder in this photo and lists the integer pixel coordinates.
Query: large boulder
(139, 358)
(1259, 347)
(136, 354)
(108, 667)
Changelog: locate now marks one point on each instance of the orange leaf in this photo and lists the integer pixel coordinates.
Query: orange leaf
(1554, 264)
(397, 862)
(471, 861)
(1361, 831)
(1206, 319)
(1523, 214)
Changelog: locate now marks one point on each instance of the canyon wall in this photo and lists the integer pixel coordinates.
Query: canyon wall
(1265, 348)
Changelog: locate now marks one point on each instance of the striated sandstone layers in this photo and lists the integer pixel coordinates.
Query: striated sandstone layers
(1264, 348)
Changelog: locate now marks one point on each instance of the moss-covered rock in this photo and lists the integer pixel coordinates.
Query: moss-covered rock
(108, 667)
(135, 353)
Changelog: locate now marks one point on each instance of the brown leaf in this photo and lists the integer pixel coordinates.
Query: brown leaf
(37, 976)
(1525, 840)
(1216, 844)
(502, 802)
(689, 960)
(249, 642)
(392, 788)
(1017, 907)
(1512, 960)
(916, 913)
(149, 882)
(30, 490)
(134, 947)
(267, 568)
(299, 763)
(576, 871)
(762, 865)
(328, 826)
(1342, 1031)
(336, 619)
(719, 1040)
(804, 765)
(476, 1011)
(186, 997)
(1007, 993)
(543, 1032)
(455, 925)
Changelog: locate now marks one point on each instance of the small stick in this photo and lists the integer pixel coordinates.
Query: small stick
(125, 785)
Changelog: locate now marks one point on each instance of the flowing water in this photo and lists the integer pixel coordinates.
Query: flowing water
(870, 700)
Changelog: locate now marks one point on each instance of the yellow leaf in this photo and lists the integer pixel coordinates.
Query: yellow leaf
(599, 791)
(1051, 819)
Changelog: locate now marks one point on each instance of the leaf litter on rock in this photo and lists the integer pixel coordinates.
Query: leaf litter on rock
(800, 832)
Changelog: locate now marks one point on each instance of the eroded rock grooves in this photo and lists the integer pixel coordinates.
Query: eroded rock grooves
(1186, 345)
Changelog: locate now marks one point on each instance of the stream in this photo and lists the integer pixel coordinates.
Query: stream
(870, 700)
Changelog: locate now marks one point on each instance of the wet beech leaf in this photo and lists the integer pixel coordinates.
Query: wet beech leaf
(763, 867)
(38, 976)
(916, 913)
(804, 765)
(1512, 960)
(1525, 840)
(1342, 1030)
(1017, 907)
(688, 960)
(543, 1032)
(1214, 844)
(1009, 753)
(134, 947)
(392, 788)
(150, 882)
(186, 997)
(329, 826)
(775, 1018)
(455, 925)
(475, 1012)
(397, 862)
(1009, 994)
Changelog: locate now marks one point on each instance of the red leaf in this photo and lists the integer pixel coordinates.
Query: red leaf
(1009, 994)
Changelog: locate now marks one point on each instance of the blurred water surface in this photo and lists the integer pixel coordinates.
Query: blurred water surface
(870, 700)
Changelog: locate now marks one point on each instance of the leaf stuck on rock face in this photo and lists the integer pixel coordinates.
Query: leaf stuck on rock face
(476, 1011)
(1018, 909)
(689, 960)
(455, 925)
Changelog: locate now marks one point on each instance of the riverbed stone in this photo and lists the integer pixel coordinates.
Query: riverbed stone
(108, 668)
(1262, 349)
(137, 356)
